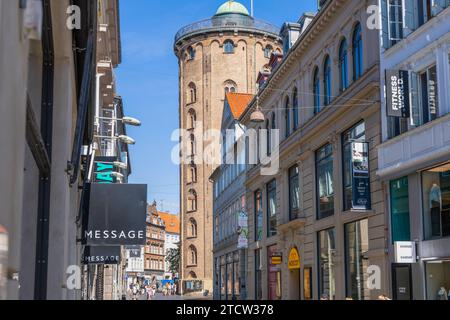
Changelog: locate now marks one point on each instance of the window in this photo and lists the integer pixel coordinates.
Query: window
(294, 193)
(192, 256)
(395, 23)
(191, 53)
(327, 81)
(349, 137)
(228, 47)
(307, 283)
(343, 66)
(192, 201)
(230, 86)
(424, 91)
(295, 109)
(258, 215)
(324, 182)
(272, 208)
(287, 117)
(327, 264)
(192, 144)
(258, 275)
(357, 53)
(399, 198)
(192, 93)
(316, 91)
(436, 201)
(192, 228)
(437, 273)
(268, 51)
(356, 259)
(193, 174)
(192, 119)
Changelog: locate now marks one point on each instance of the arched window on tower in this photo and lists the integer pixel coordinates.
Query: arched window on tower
(193, 173)
(192, 144)
(192, 119)
(192, 93)
(192, 201)
(228, 46)
(230, 86)
(268, 51)
(191, 53)
(192, 228)
(192, 255)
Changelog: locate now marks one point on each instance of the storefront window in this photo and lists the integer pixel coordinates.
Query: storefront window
(327, 267)
(400, 210)
(324, 181)
(438, 280)
(436, 201)
(355, 134)
(307, 284)
(258, 275)
(356, 260)
(258, 215)
(272, 208)
(294, 193)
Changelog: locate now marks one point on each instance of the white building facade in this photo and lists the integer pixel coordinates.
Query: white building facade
(414, 158)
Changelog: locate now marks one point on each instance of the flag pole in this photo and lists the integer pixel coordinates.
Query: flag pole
(252, 8)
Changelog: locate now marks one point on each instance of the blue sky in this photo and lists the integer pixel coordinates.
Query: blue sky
(148, 80)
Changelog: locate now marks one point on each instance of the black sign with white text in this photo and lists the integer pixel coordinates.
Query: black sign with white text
(361, 199)
(114, 215)
(101, 255)
(397, 93)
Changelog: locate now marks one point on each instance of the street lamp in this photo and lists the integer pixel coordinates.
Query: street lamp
(257, 116)
(126, 120)
(123, 138)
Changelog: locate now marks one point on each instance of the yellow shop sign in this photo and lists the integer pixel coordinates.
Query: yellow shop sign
(294, 259)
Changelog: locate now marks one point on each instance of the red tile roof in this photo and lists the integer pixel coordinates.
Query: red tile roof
(238, 102)
(171, 221)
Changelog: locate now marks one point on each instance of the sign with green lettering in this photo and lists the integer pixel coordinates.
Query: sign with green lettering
(104, 170)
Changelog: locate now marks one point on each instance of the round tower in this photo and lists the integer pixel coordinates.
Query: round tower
(220, 54)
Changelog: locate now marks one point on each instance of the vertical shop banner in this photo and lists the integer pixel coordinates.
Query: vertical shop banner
(114, 215)
(104, 169)
(101, 255)
(361, 199)
(397, 93)
(242, 230)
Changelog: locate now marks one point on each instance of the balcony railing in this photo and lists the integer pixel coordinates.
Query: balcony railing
(229, 22)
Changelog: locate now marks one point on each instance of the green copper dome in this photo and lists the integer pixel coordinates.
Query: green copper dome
(232, 7)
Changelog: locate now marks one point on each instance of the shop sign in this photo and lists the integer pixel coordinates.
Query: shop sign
(114, 215)
(276, 259)
(101, 255)
(397, 93)
(242, 230)
(405, 252)
(104, 169)
(294, 259)
(361, 199)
